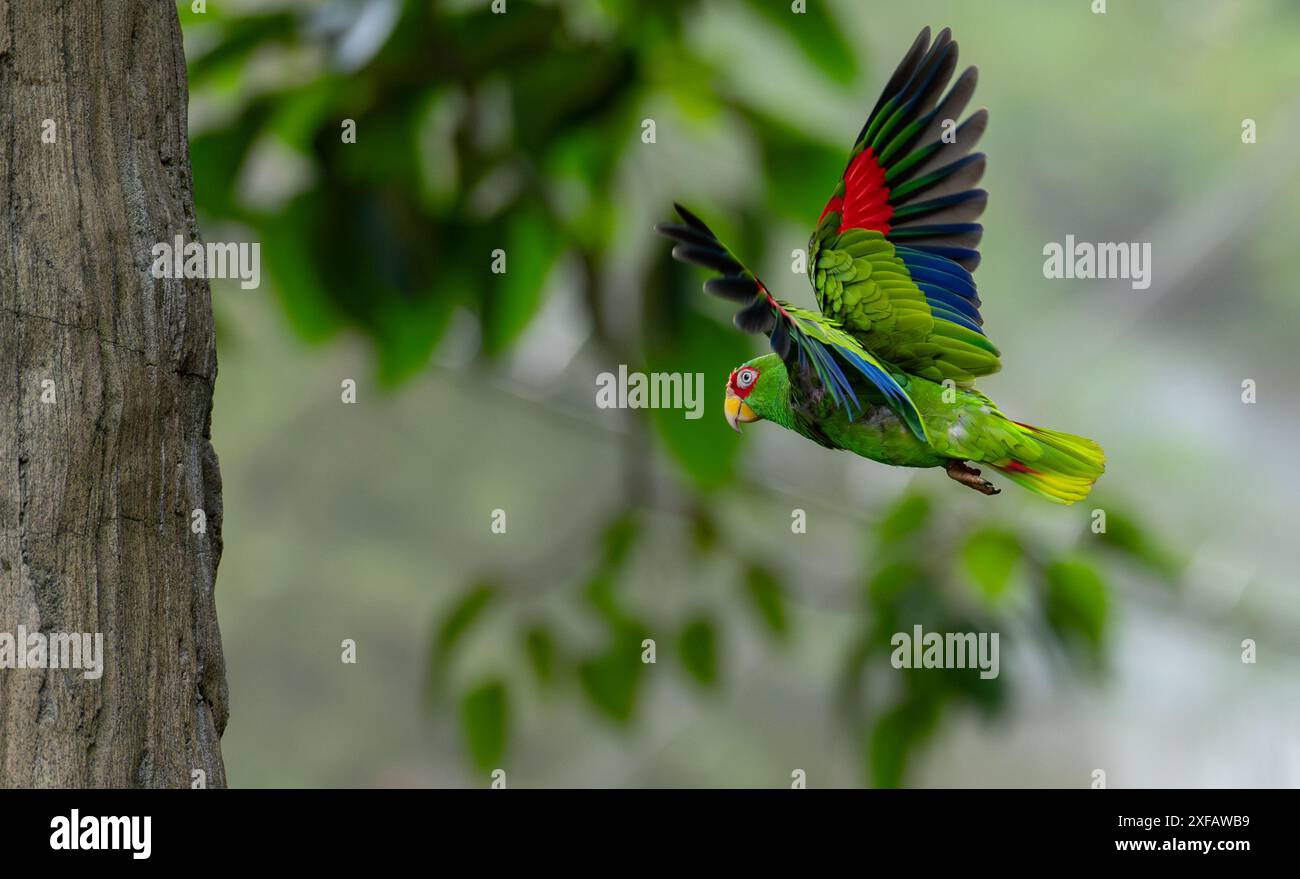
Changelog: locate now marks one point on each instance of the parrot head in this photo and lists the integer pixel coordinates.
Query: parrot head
(754, 390)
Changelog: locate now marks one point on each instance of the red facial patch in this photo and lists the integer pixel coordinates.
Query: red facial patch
(742, 381)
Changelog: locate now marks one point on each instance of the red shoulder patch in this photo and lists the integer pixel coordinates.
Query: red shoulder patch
(865, 202)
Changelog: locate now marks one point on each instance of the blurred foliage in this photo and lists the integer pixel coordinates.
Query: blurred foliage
(474, 132)
(483, 714)
(922, 566)
(477, 133)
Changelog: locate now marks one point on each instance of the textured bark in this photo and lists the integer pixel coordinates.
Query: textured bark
(97, 487)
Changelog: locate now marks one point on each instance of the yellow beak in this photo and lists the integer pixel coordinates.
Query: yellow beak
(737, 412)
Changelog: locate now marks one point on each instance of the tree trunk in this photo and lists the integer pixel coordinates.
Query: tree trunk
(106, 378)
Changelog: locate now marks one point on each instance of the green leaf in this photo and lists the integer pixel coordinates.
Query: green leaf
(616, 544)
(290, 263)
(458, 620)
(407, 336)
(599, 592)
(342, 253)
(892, 581)
(989, 696)
(895, 735)
(765, 594)
(483, 723)
(908, 515)
(887, 749)
(1076, 600)
(990, 556)
(610, 680)
(540, 647)
(619, 538)
(303, 111)
(1124, 535)
(515, 296)
(850, 689)
(217, 157)
(698, 648)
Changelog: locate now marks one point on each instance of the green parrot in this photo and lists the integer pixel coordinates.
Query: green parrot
(887, 369)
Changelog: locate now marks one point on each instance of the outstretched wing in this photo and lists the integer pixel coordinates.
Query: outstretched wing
(810, 344)
(892, 255)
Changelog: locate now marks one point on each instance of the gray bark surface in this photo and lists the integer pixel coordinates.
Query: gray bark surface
(97, 486)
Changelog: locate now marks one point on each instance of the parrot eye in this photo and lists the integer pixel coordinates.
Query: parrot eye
(746, 377)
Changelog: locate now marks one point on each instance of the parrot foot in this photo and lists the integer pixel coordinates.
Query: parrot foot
(959, 471)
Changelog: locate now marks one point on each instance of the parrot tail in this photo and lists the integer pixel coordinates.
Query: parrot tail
(1058, 466)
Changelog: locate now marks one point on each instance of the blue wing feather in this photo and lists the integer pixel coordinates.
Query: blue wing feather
(943, 298)
(823, 357)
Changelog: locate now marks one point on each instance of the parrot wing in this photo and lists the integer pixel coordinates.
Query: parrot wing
(811, 344)
(892, 255)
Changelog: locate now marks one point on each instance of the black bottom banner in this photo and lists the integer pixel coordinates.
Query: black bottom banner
(676, 827)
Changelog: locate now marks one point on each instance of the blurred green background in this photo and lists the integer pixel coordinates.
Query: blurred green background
(522, 651)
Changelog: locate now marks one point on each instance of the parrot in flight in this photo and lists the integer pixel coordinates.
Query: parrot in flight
(887, 369)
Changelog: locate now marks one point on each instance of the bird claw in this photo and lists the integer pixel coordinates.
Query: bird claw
(969, 476)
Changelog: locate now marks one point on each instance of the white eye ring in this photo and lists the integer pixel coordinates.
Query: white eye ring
(746, 377)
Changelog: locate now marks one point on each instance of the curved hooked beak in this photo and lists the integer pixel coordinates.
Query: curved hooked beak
(738, 412)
